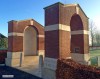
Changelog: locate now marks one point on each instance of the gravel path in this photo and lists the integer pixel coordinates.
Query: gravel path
(12, 73)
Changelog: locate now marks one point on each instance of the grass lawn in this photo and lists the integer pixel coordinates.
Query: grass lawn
(94, 53)
(94, 57)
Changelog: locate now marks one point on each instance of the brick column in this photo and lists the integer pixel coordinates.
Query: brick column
(15, 44)
(57, 40)
(41, 44)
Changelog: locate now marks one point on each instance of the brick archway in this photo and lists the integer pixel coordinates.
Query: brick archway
(77, 37)
(76, 22)
(16, 35)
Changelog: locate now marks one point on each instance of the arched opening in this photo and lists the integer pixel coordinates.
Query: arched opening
(79, 40)
(30, 41)
(76, 23)
(77, 36)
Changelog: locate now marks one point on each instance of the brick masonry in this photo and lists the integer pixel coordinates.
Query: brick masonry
(70, 15)
(17, 38)
(16, 42)
(60, 43)
(52, 44)
(57, 41)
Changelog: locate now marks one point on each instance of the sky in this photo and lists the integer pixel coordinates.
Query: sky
(27, 9)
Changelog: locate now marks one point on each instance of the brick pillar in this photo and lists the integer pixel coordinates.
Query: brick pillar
(79, 40)
(57, 40)
(14, 46)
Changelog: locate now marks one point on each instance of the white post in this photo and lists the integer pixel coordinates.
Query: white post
(20, 59)
(99, 61)
(40, 64)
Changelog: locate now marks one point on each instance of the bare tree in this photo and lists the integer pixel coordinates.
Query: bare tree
(92, 28)
(97, 37)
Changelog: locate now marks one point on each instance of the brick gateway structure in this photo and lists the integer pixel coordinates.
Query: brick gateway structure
(66, 36)
(67, 27)
(25, 38)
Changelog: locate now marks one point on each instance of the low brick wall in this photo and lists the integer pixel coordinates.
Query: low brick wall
(69, 69)
(3, 55)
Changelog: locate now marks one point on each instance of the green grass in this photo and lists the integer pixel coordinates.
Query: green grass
(93, 55)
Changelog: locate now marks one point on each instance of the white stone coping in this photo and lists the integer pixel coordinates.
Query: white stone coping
(42, 36)
(70, 5)
(57, 27)
(31, 22)
(79, 32)
(18, 54)
(50, 63)
(21, 34)
(77, 10)
(41, 52)
(15, 34)
(14, 54)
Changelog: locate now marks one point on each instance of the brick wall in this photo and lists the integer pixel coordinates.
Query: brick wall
(69, 69)
(3, 55)
(15, 42)
(71, 16)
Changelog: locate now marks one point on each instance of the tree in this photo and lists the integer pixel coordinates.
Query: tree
(92, 28)
(3, 43)
(97, 37)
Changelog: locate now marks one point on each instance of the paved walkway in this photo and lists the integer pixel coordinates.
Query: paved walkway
(31, 69)
(6, 71)
(31, 65)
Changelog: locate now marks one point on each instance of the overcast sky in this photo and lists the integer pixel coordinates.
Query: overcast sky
(25, 9)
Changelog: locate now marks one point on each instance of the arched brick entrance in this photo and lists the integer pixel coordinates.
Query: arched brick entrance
(79, 38)
(25, 38)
